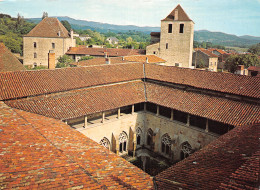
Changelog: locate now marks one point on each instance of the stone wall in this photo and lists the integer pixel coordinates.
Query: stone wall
(153, 49)
(204, 61)
(43, 46)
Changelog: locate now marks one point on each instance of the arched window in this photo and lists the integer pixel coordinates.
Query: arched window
(149, 137)
(35, 55)
(166, 144)
(105, 142)
(186, 150)
(138, 136)
(122, 142)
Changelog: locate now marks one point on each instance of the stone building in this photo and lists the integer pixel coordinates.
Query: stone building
(175, 41)
(203, 58)
(49, 36)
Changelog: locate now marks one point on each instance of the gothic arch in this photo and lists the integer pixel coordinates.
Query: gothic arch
(105, 142)
(123, 142)
(138, 136)
(186, 150)
(166, 144)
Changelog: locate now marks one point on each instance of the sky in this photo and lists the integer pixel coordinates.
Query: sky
(239, 17)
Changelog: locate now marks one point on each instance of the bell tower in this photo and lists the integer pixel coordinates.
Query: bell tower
(176, 39)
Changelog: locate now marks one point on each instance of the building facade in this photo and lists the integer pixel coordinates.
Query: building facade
(176, 39)
(49, 36)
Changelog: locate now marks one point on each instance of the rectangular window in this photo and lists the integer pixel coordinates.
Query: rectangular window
(177, 64)
(53, 45)
(34, 44)
(166, 45)
(181, 28)
(35, 55)
(170, 28)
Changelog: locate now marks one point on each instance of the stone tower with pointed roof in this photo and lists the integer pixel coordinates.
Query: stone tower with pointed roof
(49, 36)
(176, 39)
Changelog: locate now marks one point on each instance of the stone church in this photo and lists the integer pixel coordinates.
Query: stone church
(74, 128)
(175, 41)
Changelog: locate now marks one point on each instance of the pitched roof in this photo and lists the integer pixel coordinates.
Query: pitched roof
(218, 50)
(254, 68)
(124, 59)
(113, 52)
(76, 103)
(50, 28)
(207, 52)
(221, 162)
(157, 34)
(8, 62)
(216, 81)
(34, 157)
(182, 16)
(215, 108)
(29, 83)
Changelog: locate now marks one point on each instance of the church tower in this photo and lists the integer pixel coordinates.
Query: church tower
(176, 39)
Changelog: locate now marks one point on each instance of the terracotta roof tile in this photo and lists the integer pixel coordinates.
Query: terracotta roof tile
(112, 52)
(254, 68)
(222, 82)
(32, 156)
(218, 50)
(214, 108)
(78, 103)
(30, 83)
(219, 164)
(207, 52)
(50, 28)
(8, 62)
(182, 16)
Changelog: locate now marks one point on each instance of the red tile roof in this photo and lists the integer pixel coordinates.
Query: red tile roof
(207, 52)
(50, 28)
(182, 16)
(30, 83)
(78, 103)
(8, 62)
(214, 108)
(222, 82)
(221, 162)
(254, 68)
(33, 156)
(218, 50)
(112, 52)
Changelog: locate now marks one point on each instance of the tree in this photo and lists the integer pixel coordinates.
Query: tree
(255, 49)
(44, 15)
(64, 61)
(86, 58)
(66, 24)
(233, 61)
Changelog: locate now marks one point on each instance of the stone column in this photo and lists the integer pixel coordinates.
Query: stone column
(117, 147)
(133, 109)
(144, 106)
(157, 111)
(86, 122)
(172, 114)
(103, 117)
(188, 120)
(134, 145)
(118, 113)
(207, 126)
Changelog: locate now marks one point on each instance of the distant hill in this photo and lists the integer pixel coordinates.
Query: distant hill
(217, 38)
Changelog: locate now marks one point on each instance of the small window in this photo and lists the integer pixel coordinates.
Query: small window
(170, 28)
(154, 52)
(177, 64)
(35, 55)
(181, 28)
(167, 46)
(34, 44)
(34, 64)
(53, 45)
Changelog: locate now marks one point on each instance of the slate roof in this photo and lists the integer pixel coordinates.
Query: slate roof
(230, 162)
(221, 82)
(112, 52)
(37, 152)
(8, 62)
(182, 16)
(50, 28)
(124, 59)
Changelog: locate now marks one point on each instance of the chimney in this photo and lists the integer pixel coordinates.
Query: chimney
(51, 60)
(176, 15)
(147, 60)
(107, 60)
